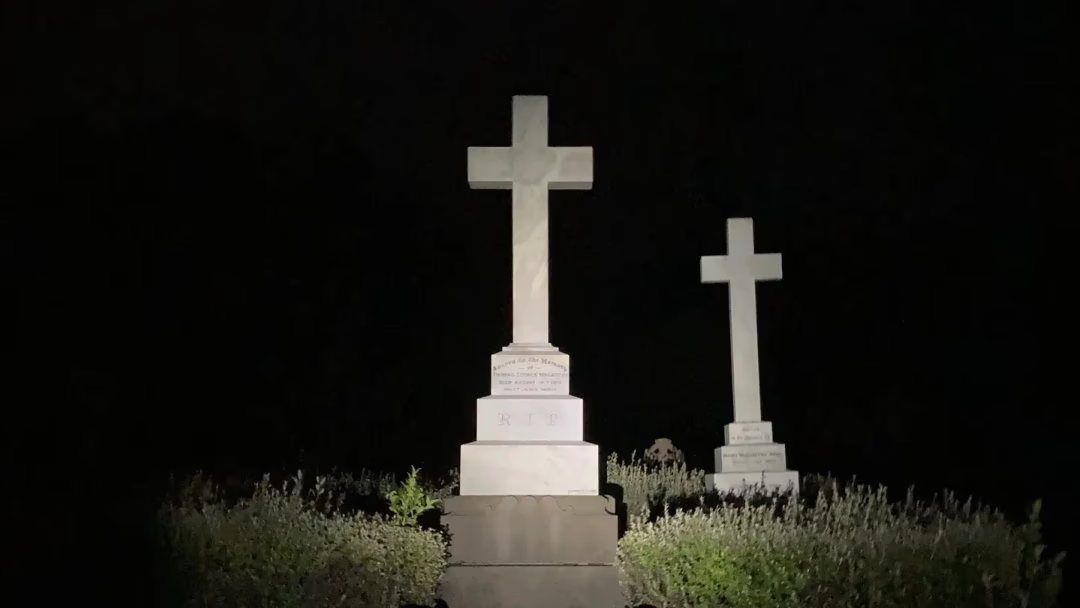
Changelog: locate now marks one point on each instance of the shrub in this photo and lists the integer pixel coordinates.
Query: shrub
(443, 487)
(286, 547)
(645, 486)
(374, 484)
(847, 546)
(409, 500)
(364, 483)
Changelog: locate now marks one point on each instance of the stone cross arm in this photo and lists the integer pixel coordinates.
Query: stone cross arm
(727, 268)
(528, 161)
(740, 263)
(559, 168)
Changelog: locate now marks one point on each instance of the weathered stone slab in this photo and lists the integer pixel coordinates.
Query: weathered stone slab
(526, 551)
(531, 529)
(531, 586)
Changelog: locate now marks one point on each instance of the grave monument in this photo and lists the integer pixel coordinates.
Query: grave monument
(749, 457)
(529, 527)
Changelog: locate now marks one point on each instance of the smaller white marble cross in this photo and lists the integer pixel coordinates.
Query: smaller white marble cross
(741, 268)
(529, 167)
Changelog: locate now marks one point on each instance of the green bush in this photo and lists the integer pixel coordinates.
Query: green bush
(372, 483)
(286, 546)
(364, 483)
(410, 500)
(840, 547)
(444, 487)
(646, 486)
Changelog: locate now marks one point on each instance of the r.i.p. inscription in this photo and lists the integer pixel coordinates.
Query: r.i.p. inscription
(532, 418)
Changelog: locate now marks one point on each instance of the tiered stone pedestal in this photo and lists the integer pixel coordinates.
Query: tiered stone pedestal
(749, 457)
(529, 430)
(529, 528)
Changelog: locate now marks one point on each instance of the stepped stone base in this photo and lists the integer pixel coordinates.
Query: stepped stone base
(753, 457)
(741, 481)
(531, 586)
(539, 468)
(535, 418)
(526, 551)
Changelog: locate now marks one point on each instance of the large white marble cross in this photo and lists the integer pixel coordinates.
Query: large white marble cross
(741, 268)
(529, 167)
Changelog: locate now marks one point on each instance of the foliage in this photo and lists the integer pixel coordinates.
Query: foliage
(837, 547)
(409, 500)
(646, 486)
(373, 484)
(286, 546)
(363, 483)
(443, 487)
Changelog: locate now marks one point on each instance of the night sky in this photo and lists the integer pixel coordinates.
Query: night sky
(243, 239)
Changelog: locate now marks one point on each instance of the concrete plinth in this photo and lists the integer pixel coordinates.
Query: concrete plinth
(526, 551)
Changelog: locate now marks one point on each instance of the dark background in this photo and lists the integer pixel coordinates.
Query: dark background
(243, 241)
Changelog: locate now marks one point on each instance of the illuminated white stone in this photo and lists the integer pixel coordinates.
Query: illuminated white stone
(747, 432)
(749, 456)
(556, 468)
(528, 168)
(509, 418)
(740, 269)
(527, 371)
(529, 431)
